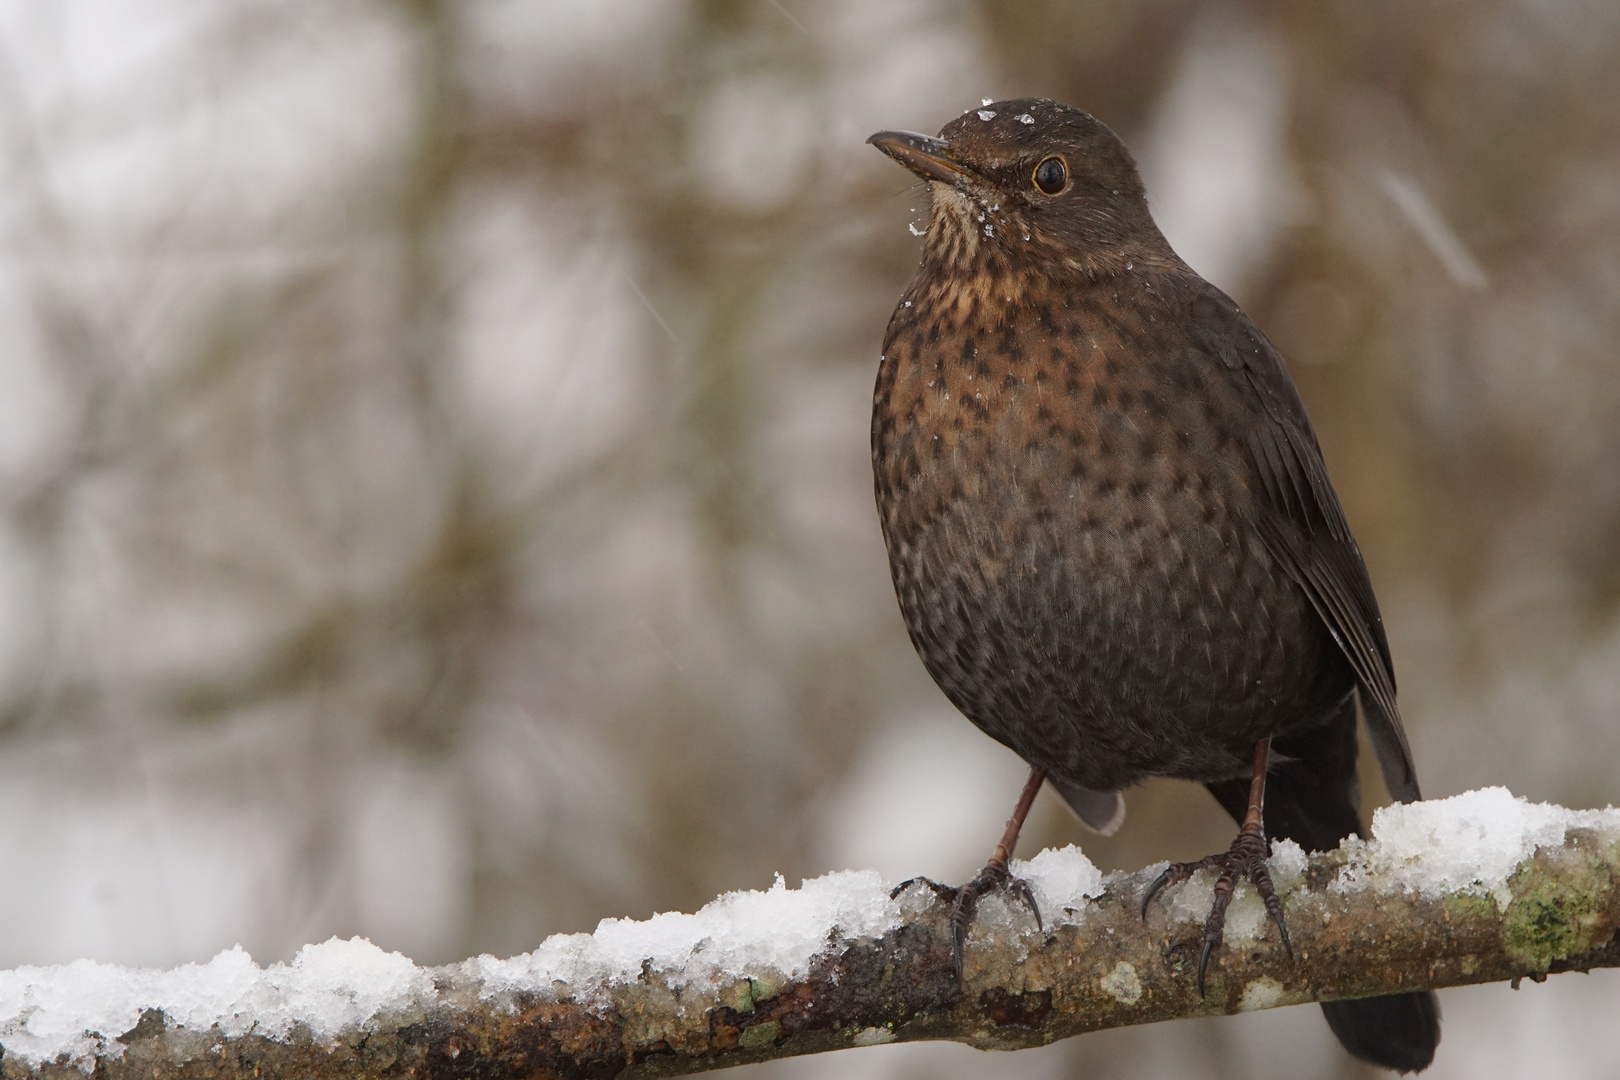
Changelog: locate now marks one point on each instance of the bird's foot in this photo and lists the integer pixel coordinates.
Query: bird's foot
(1246, 859)
(964, 901)
(946, 893)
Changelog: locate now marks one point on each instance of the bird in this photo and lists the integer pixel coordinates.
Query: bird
(1110, 528)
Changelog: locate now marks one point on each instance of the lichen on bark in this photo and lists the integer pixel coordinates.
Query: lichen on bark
(1099, 964)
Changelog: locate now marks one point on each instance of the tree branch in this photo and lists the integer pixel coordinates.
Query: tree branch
(1490, 889)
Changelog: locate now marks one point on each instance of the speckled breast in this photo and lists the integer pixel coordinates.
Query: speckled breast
(1067, 497)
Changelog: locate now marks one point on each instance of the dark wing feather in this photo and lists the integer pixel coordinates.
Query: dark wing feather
(1304, 528)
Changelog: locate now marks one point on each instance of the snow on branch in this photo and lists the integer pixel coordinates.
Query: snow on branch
(1477, 888)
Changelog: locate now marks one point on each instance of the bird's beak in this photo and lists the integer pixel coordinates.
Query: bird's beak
(928, 157)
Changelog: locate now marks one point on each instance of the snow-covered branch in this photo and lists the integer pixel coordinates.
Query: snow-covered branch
(1478, 888)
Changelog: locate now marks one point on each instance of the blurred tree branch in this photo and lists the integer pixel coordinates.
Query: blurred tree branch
(1021, 988)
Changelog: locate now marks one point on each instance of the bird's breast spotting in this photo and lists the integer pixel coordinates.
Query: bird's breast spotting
(1065, 528)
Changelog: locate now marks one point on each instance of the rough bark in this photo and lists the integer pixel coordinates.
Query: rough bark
(1108, 966)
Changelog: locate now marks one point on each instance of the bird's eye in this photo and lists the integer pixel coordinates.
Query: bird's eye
(1051, 176)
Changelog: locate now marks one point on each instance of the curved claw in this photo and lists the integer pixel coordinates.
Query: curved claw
(959, 925)
(1215, 925)
(965, 904)
(1203, 960)
(1244, 860)
(1158, 883)
(1021, 887)
(1274, 907)
(944, 892)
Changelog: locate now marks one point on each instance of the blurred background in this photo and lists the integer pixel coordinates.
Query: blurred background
(434, 486)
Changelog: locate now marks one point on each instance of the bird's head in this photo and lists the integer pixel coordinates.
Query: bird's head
(1030, 179)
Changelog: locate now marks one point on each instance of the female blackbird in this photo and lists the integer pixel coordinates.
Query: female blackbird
(1111, 532)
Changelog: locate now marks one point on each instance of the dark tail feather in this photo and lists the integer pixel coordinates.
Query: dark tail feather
(1398, 1032)
(1312, 795)
(1313, 798)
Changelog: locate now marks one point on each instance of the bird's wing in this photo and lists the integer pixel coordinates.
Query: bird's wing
(1303, 526)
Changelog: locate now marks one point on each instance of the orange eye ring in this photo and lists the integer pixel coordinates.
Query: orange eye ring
(1051, 176)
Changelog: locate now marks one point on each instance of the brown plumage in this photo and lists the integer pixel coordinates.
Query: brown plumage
(1111, 532)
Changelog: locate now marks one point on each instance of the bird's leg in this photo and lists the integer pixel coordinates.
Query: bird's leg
(965, 899)
(1246, 858)
(995, 874)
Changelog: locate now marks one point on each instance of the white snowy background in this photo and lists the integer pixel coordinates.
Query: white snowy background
(434, 500)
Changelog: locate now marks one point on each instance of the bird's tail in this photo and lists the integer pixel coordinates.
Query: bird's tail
(1313, 798)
